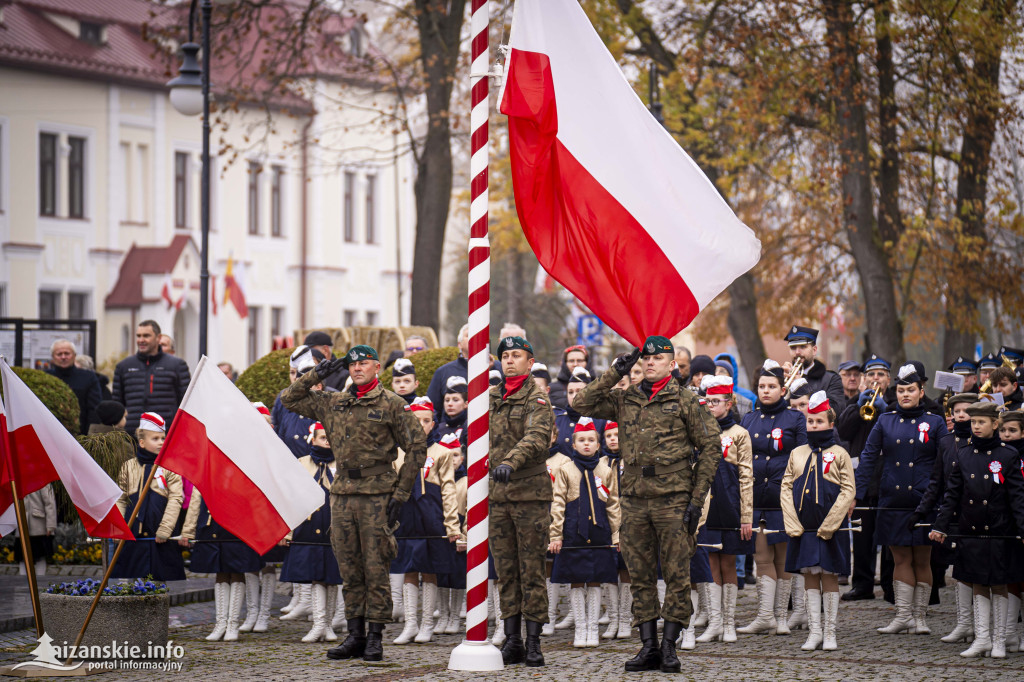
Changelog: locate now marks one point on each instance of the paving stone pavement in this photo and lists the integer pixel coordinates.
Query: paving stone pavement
(863, 654)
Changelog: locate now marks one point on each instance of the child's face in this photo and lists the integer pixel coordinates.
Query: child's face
(151, 441)
(800, 404)
(719, 405)
(572, 390)
(1006, 387)
(405, 385)
(636, 375)
(454, 403)
(1011, 431)
(320, 439)
(769, 390)
(611, 439)
(457, 459)
(542, 383)
(960, 412)
(983, 427)
(818, 422)
(585, 443)
(426, 420)
(623, 383)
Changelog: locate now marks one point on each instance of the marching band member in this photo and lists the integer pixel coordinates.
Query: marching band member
(774, 431)
(968, 369)
(730, 505)
(817, 492)
(904, 443)
(989, 494)
(803, 345)
(585, 524)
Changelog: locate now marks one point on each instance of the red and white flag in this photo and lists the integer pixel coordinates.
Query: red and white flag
(233, 292)
(38, 450)
(167, 294)
(614, 209)
(248, 477)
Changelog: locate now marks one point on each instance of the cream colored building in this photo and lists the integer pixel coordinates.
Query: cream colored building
(100, 192)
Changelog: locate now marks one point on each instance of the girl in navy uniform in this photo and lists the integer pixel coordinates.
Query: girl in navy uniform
(817, 493)
(451, 587)
(1011, 431)
(905, 443)
(730, 505)
(427, 532)
(556, 459)
(454, 410)
(585, 518)
(774, 431)
(313, 562)
(620, 629)
(987, 488)
(949, 445)
(151, 553)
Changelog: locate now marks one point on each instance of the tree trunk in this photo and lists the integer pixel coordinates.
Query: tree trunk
(439, 23)
(744, 326)
(890, 224)
(885, 333)
(983, 104)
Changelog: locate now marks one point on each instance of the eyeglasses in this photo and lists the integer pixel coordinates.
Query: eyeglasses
(715, 402)
(415, 349)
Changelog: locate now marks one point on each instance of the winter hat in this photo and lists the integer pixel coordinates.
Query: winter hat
(110, 412)
(702, 364)
(421, 404)
(151, 421)
(403, 367)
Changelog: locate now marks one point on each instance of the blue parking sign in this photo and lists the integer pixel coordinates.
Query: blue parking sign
(589, 330)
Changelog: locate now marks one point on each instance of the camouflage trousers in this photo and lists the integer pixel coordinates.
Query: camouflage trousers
(653, 527)
(364, 550)
(519, 544)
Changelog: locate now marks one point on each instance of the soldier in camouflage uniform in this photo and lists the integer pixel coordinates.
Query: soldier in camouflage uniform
(366, 425)
(520, 499)
(670, 449)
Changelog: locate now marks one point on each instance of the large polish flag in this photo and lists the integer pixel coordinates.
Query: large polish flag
(248, 477)
(38, 450)
(614, 209)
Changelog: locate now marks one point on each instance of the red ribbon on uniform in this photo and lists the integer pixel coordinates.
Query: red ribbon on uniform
(726, 442)
(777, 437)
(427, 466)
(828, 458)
(551, 473)
(923, 430)
(996, 467)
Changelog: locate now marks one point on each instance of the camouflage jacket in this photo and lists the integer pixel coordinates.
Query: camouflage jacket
(665, 432)
(364, 433)
(520, 430)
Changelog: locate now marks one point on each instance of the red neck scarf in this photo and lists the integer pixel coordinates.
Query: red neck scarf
(513, 384)
(366, 388)
(658, 386)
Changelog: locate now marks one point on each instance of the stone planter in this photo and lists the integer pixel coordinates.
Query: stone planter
(139, 621)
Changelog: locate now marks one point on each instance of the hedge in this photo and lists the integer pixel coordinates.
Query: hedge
(58, 397)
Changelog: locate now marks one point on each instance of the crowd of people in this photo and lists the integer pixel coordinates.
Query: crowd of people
(612, 495)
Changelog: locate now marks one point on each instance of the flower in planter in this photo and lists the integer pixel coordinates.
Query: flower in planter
(87, 587)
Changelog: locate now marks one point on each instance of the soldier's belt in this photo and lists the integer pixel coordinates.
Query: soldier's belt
(527, 473)
(656, 469)
(367, 472)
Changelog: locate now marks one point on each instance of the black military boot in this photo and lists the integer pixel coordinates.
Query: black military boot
(374, 646)
(669, 634)
(534, 658)
(649, 656)
(354, 644)
(513, 651)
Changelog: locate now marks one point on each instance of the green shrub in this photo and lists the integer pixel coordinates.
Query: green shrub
(266, 377)
(426, 363)
(58, 397)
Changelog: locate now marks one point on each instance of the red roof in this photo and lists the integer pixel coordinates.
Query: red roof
(144, 260)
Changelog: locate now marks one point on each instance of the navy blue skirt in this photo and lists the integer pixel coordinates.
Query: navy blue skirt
(457, 579)
(423, 516)
(218, 551)
(585, 565)
(144, 557)
(700, 567)
(808, 550)
(729, 539)
(313, 562)
(891, 529)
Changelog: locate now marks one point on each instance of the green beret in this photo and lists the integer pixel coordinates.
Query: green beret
(969, 398)
(361, 352)
(985, 408)
(1012, 416)
(655, 345)
(514, 342)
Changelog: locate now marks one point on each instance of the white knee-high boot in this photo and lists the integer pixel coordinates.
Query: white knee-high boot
(999, 609)
(303, 607)
(318, 598)
(625, 611)
(428, 593)
(813, 607)
(782, 591)
(397, 581)
(252, 601)
(831, 603)
(294, 601)
(454, 620)
(268, 582)
(701, 615)
(688, 637)
(982, 644)
(798, 619)
(613, 611)
(499, 628)
(339, 622)
(1012, 610)
(234, 611)
(221, 598)
(570, 618)
(964, 629)
(604, 618)
(729, 612)
(922, 593)
(549, 627)
(578, 605)
(593, 615)
(410, 597)
(904, 620)
(444, 596)
(765, 619)
(714, 606)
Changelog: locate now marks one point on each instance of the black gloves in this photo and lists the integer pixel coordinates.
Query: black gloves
(915, 519)
(502, 473)
(394, 510)
(691, 517)
(329, 367)
(624, 363)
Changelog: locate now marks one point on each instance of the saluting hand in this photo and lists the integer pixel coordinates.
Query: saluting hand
(625, 363)
(329, 367)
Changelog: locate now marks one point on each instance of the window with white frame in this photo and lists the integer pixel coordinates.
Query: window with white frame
(254, 197)
(372, 316)
(181, 185)
(78, 305)
(371, 213)
(253, 350)
(49, 304)
(48, 174)
(76, 177)
(142, 183)
(276, 201)
(350, 317)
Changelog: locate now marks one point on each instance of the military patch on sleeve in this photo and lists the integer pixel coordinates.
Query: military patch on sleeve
(375, 415)
(542, 402)
(670, 407)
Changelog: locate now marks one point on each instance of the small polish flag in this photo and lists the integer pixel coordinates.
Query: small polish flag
(36, 450)
(248, 477)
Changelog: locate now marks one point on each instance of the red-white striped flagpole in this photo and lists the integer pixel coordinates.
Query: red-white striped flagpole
(476, 653)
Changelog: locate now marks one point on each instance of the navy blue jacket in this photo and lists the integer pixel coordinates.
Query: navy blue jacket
(86, 387)
(897, 444)
(291, 428)
(150, 383)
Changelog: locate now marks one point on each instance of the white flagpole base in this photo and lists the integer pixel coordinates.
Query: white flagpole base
(476, 657)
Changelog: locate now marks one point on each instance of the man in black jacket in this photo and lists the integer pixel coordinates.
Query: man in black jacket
(803, 343)
(83, 383)
(150, 380)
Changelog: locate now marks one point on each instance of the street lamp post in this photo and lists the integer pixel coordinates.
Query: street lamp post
(190, 94)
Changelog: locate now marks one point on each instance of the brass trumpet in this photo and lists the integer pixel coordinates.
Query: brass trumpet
(987, 386)
(798, 368)
(868, 411)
